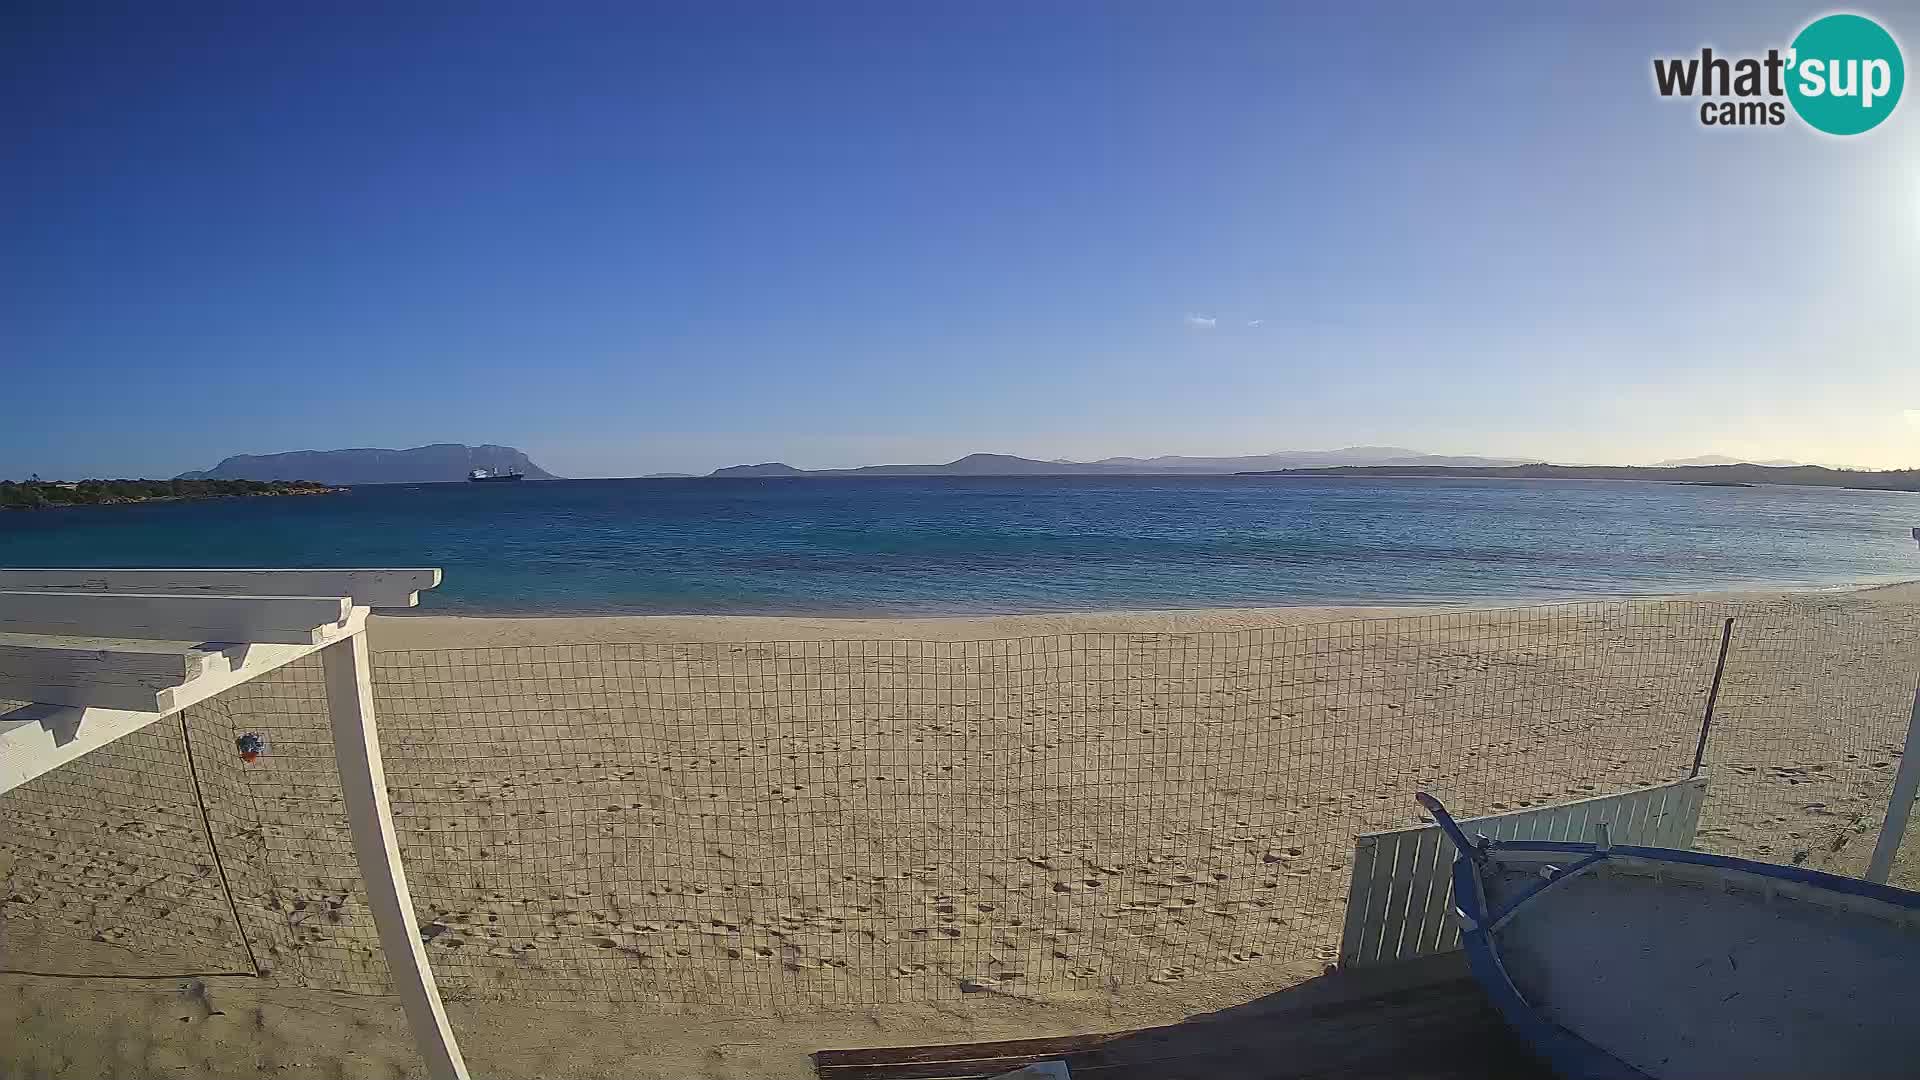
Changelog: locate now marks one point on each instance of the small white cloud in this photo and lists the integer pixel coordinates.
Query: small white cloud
(1202, 322)
(1256, 322)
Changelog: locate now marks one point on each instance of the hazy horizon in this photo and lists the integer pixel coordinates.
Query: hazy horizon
(1707, 458)
(631, 242)
(810, 466)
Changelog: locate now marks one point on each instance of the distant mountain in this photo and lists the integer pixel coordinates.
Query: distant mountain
(971, 465)
(1741, 475)
(1008, 465)
(765, 468)
(1279, 459)
(420, 465)
(1719, 459)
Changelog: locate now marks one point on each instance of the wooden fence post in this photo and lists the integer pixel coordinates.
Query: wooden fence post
(356, 747)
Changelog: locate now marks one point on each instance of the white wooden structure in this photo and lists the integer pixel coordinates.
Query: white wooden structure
(1400, 900)
(1906, 786)
(100, 654)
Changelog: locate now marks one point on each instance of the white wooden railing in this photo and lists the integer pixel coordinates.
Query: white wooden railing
(100, 654)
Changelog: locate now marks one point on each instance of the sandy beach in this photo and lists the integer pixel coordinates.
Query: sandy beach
(392, 633)
(685, 846)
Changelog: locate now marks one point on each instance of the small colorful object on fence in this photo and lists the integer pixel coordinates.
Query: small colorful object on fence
(251, 746)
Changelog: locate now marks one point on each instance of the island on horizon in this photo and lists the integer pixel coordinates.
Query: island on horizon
(49, 494)
(1744, 474)
(435, 463)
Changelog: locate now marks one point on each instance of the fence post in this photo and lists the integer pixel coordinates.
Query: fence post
(1906, 784)
(1713, 697)
(363, 781)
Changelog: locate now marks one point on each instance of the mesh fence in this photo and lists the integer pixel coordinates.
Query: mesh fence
(1812, 714)
(857, 822)
(108, 866)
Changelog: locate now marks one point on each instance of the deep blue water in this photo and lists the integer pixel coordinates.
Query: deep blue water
(957, 544)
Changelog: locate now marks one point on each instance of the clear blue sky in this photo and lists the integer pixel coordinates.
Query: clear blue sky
(653, 240)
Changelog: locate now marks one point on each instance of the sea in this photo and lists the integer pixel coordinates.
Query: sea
(972, 545)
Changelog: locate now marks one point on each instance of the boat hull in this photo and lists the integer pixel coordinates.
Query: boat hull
(1650, 962)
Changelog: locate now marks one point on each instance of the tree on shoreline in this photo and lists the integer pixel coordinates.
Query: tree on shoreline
(36, 494)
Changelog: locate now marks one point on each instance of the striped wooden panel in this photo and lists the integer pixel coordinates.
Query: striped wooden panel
(1400, 899)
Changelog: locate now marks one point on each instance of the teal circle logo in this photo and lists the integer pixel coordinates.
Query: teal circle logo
(1845, 74)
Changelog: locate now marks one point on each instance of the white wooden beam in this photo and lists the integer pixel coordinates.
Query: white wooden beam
(135, 693)
(140, 675)
(1906, 786)
(290, 620)
(107, 673)
(35, 739)
(368, 588)
(22, 654)
(363, 782)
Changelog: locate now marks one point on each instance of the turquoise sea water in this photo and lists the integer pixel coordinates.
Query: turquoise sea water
(934, 545)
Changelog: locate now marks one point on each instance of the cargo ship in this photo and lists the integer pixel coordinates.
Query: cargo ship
(488, 476)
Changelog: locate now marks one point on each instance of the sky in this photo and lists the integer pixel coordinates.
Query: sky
(651, 238)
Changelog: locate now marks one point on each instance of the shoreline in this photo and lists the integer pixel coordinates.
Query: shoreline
(34, 495)
(405, 632)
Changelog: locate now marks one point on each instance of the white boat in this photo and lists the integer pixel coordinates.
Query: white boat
(1634, 962)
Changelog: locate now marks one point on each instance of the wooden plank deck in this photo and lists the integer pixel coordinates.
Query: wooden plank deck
(1439, 1027)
